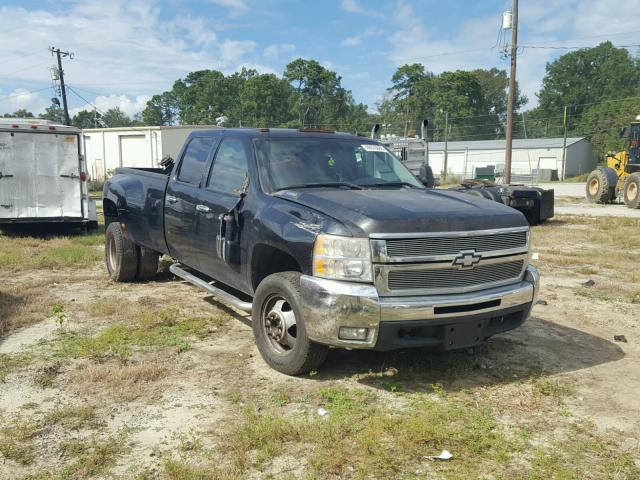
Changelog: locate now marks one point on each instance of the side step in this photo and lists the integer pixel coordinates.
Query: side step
(220, 294)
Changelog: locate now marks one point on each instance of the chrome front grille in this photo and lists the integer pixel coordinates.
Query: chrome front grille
(454, 244)
(448, 262)
(452, 278)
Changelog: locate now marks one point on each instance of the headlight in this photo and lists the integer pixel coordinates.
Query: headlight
(342, 258)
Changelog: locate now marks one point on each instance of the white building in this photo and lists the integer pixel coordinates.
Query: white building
(110, 148)
(530, 158)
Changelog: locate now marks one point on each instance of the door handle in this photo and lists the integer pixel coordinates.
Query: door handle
(203, 209)
(171, 199)
(72, 175)
(5, 175)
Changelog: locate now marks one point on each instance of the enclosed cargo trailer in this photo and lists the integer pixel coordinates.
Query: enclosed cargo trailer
(43, 174)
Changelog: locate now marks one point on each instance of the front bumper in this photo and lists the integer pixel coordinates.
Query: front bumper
(446, 321)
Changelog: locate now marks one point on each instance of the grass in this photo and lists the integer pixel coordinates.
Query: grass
(93, 458)
(47, 252)
(363, 436)
(18, 440)
(148, 331)
(120, 382)
(10, 362)
(593, 246)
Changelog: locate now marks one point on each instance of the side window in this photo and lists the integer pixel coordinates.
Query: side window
(229, 167)
(195, 159)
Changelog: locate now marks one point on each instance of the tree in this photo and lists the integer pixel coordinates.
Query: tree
(53, 113)
(476, 102)
(86, 119)
(114, 117)
(319, 98)
(588, 76)
(405, 80)
(22, 113)
(264, 101)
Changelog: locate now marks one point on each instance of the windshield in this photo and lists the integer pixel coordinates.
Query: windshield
(286, 163)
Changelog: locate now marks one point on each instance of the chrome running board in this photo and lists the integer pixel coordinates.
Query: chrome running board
(220, 294)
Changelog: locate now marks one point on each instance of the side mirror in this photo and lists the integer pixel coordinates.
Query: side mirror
(623, 132)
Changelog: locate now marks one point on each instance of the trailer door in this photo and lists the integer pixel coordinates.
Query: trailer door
(68, 173)
(7, 178)
(52, 175)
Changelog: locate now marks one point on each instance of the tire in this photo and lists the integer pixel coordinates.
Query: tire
(147, 263)
(121, 254)
(632, 191)
(293, 353)
(601, 186)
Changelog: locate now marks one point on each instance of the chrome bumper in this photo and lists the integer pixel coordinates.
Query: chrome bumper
(329, 305)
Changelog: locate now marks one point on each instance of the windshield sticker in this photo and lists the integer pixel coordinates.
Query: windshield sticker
(368, 147)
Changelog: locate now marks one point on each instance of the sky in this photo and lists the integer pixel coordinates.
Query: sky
(125, 51)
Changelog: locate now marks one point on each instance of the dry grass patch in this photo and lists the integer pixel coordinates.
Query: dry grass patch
(121, 382)
(23, 305)
(18, 253)
(18, 439)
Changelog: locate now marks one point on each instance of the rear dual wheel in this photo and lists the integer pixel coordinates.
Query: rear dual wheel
(125, 260)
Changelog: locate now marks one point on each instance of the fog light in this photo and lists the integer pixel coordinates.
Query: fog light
(353, 333)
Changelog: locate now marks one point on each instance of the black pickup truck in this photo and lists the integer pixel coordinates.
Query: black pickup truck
(327, 239)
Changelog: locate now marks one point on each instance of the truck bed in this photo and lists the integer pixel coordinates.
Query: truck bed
(143, 189)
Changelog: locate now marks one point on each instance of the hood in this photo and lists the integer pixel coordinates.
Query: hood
(407, 211)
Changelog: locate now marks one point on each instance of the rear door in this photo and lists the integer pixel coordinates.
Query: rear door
(221, 194)
(182, 223)
(58, 183)
(7, 177)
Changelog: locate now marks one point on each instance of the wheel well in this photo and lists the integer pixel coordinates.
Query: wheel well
(110, 211)
(267, 260)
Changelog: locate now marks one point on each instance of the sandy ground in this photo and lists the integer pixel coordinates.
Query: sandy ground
(569, 337)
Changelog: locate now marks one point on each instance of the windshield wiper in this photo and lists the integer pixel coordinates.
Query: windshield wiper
(352, 186)
(393, 184)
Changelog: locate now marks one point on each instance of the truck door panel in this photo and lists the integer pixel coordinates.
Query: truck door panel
(220, 196)
(182, 224)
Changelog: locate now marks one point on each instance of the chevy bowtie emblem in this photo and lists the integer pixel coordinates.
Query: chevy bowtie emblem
(466, 260)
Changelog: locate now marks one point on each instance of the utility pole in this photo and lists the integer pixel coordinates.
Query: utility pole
(59, 53)
(564, 142)
(512, 93)
(446, 138)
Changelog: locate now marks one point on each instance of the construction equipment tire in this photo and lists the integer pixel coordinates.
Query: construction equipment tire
(632, 191)
(601, 185)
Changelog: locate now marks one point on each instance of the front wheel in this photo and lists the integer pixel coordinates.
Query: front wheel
(278, 326)
(632, 191)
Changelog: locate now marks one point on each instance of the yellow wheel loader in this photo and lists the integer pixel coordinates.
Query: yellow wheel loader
(620, 179)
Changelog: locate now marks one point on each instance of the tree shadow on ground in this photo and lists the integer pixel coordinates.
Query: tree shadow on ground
(537, 348)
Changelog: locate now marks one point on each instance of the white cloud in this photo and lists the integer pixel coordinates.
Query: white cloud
(352, 6)
(468, 45)
(122, 47)
(236, 7)
(21, 98)
(128, 105)
(356, 40)
(275, 51)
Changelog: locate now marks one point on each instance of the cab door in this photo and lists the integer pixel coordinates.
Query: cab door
(222, 194)
(183, 224)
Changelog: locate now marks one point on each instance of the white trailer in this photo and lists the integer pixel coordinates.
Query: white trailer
(43, 174)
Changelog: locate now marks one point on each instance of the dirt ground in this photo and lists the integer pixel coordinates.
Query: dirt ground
(158, 380)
